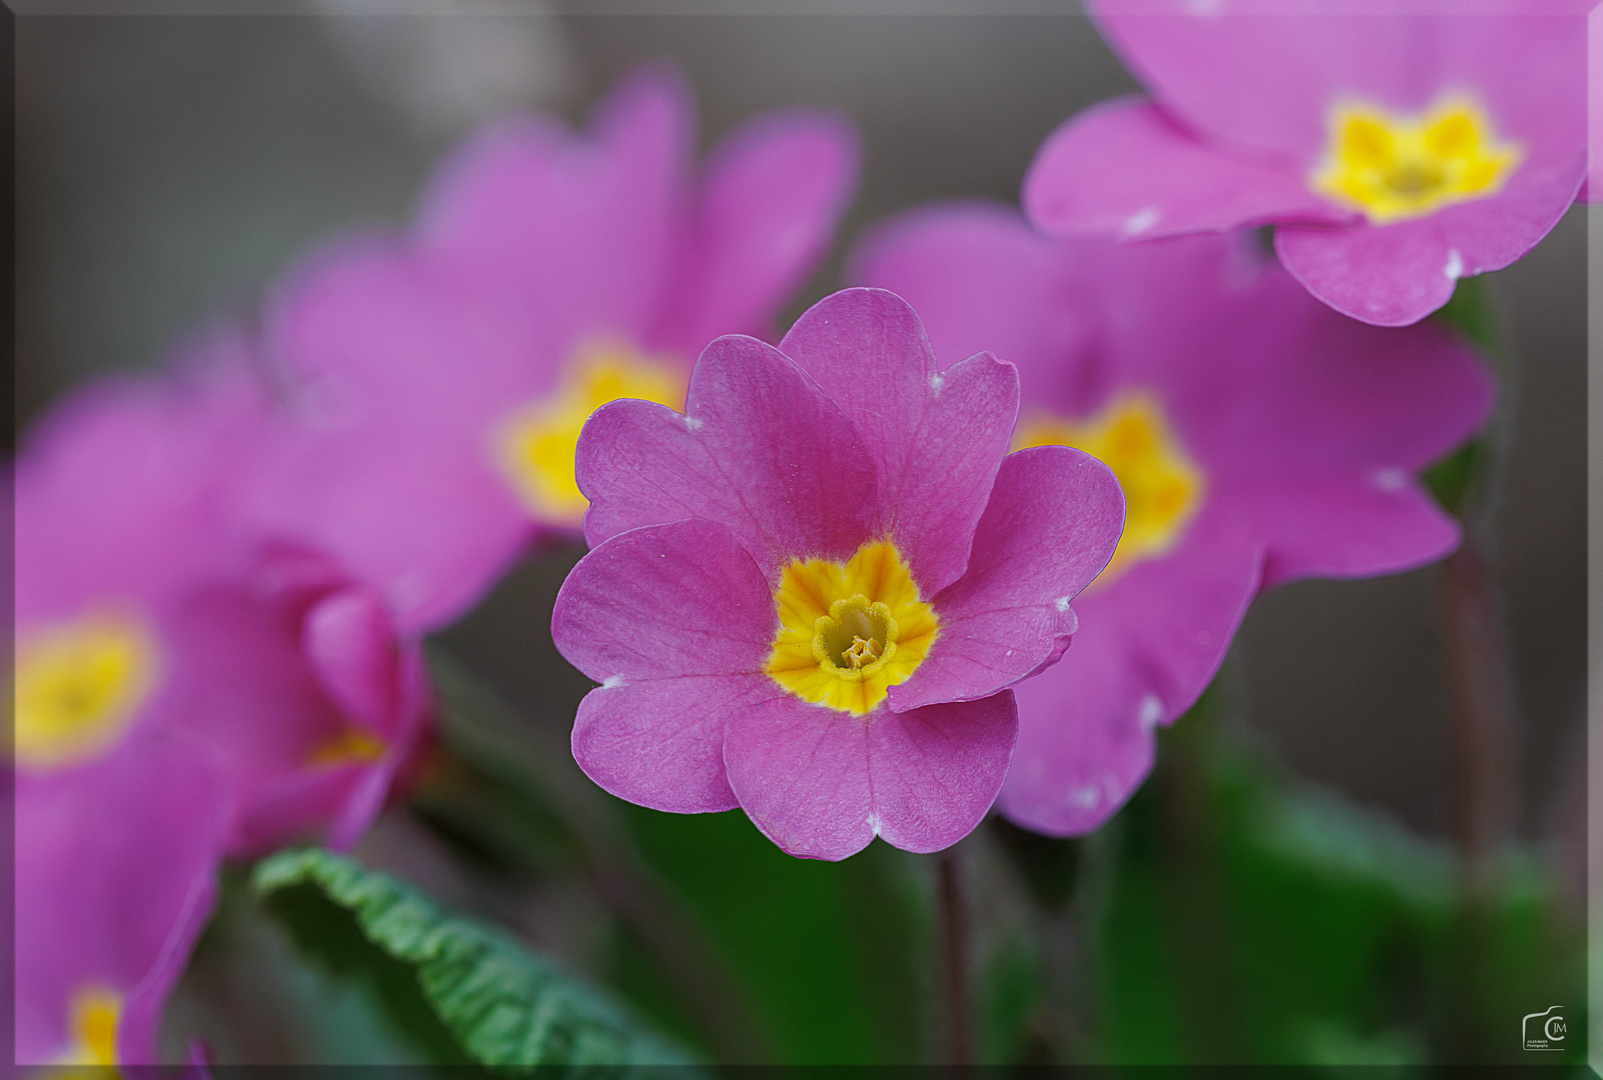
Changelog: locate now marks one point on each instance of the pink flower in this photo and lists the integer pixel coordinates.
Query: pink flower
(440, 379)
(1395, 149)
(809, 593)
(183, 691)
(142, 602)
(1259, 437)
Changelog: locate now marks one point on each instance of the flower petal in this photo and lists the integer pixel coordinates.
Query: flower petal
(583, 225)
(1053, 521)
(675, 621)
(936, 438)
(1124, 168)
(1148, 645)
(1084, 743)
(351, 647)
(821, 784)
(760, 449)
(773, 195)
(1394, 275)
(385, 456)
(983, 280)
(119, 491)
(1334, 527)
(114, 876)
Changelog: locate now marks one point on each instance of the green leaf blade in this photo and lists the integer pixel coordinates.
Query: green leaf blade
(506, 1006)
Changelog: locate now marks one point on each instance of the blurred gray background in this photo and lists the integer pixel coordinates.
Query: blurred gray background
(169, 167)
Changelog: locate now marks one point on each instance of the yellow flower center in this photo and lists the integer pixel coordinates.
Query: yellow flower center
(536, 445)
(351, 746)
(1394, 167)
(1163, 487)
(78, 685)
(848, 632)
(92, 1026)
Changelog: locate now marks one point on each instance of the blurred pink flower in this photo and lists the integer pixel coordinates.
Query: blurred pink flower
(808, 598)
(142, 602)
(1396, 147)
(183, 691)
(441, 379)
(1259, 437)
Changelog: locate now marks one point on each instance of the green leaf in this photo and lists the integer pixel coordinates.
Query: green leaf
(252, 995)
(504, 1005)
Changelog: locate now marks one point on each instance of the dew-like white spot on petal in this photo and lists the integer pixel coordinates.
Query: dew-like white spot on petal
(937, 382)
(1151, 711)
(1455, 265)
(612, 682)
(1140, 221)
(1086, 798)
(1390, 479)
(874, 822)
(1061, 603)
(692, 424)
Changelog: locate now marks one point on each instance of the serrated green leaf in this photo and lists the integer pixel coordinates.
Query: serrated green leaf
(506, 1006)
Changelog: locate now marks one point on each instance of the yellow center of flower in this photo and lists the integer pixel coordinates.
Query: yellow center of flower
(92, 1028)
(535, 446)
(352, 746)
(849, 632)
(1163, 487)
(78, 685)
(1394, 167)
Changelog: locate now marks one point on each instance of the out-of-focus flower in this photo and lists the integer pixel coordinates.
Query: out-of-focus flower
(1258, 436)
(183, 690)
(142, 603)
(1397, 148)
(441, 380)
(115, 865)
(807, 598)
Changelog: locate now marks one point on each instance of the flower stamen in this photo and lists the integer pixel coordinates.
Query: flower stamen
(1163, 487)
(535, 446)
(849, 632)
(1393, 167)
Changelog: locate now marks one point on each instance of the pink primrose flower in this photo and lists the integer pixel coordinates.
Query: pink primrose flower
(1396, 146)
(439, 380)
(809, 593)
(1258, 436)
(183, 691)
(142, 601)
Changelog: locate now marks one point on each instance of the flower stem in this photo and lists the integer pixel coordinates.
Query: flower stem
(1483, 710)
(954, 957)
(1484, 707)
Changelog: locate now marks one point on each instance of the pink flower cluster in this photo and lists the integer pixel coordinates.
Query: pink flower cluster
(224, 573)
(868, 582)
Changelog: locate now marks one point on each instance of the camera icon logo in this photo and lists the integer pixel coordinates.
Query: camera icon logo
(1544, 1030)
